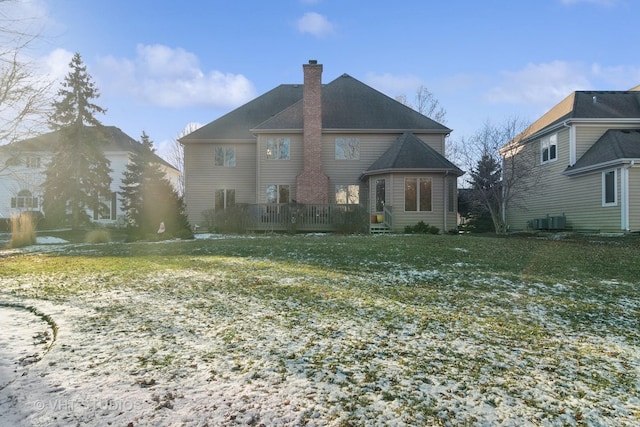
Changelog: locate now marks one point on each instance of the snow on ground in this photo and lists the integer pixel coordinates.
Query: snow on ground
(200, 348)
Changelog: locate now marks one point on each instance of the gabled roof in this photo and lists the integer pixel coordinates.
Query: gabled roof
(615, 147)
(350, 104)
(604, 105)
(236, 124)
(115, 141)
(410, 153)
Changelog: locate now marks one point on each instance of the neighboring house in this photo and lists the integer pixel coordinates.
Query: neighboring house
(23, 165)
(320, 149)
(587, 153)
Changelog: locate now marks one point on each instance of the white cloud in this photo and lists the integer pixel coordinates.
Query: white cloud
(540, 85)
(393, 85)
(315, 24)
(55, 65)
(171, 77)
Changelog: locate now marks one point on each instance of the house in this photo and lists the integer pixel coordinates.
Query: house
(23, 165)
(315, 150)
(586, 152)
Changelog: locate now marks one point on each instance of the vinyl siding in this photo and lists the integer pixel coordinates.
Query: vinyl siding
(434, 217)
(280, 172)
(203, 178)
(578, 197)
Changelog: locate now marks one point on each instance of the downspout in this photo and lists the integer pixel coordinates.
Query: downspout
(624, 209)
(446, 202)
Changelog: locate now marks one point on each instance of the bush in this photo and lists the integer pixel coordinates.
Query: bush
(23, 230)
(421, 228)
(98, 236)
(230, 220)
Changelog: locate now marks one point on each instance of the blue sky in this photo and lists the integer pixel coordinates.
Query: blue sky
(161, 65)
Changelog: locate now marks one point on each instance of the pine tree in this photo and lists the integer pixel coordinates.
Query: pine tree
(78, 174)
(149, 199)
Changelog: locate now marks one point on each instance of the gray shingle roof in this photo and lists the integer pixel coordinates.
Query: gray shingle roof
(236, 125)
(614, 147)
(348, 103)
(592, 104)
(409, 152)
(115, 141)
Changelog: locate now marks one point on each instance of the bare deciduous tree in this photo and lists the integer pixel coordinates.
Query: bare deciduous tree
(24, 97)
(503, 169)
(425, 103)
(176, 155)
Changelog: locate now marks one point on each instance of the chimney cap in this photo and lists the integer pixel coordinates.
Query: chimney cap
(313, 62)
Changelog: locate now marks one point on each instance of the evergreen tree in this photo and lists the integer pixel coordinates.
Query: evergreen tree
(486, 182)
(78, 174)
(149, 199)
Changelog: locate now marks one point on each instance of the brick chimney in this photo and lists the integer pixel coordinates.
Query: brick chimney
(312, 183)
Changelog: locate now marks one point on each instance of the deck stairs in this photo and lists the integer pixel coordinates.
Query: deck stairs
(379, 229)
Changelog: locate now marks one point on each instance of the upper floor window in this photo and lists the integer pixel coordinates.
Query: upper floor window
(609, 188)
(32, 162)
(278, 148)
(225, 156)
(417, 194)
(549, 148)
(347, 194)
(347, 149)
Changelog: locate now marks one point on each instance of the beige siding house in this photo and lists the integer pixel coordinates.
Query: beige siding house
(312, 150)
(587, 156)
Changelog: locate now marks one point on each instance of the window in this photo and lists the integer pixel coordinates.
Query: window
(278, 148)
(417, 194)
(549, 148)
(347, 149)
(277, 193)
(32, 162)
(225, 156)
(609, 188)
(380, 195)
(24, 200)
(347, 194)
(224, 198)
(106, 207)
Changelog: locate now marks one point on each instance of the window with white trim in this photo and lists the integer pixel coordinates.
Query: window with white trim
(347, 194)
(417, 194)
(24, 200)
(609, 188)
(278, 149)
(549, 148)
(225, 156)
(347, 149)
(224, 198)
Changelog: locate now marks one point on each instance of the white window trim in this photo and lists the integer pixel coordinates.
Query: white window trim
(225, 158)
(418, 193)
(547, 141)
(277, 144)
(615, 188)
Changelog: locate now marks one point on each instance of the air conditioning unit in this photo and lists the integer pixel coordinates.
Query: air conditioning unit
(558, 222)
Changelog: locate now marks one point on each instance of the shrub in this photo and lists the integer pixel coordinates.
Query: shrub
(23, 230)
(230, 220)
(421, 228)
(99, 235)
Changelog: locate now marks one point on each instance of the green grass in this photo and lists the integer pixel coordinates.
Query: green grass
(416, 322)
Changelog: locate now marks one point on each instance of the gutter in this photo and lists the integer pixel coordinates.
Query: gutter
(600, 166)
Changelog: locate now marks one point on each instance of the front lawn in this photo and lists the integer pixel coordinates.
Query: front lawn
(332, 330)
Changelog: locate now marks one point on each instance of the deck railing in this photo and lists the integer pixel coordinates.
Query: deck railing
(302, 217)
